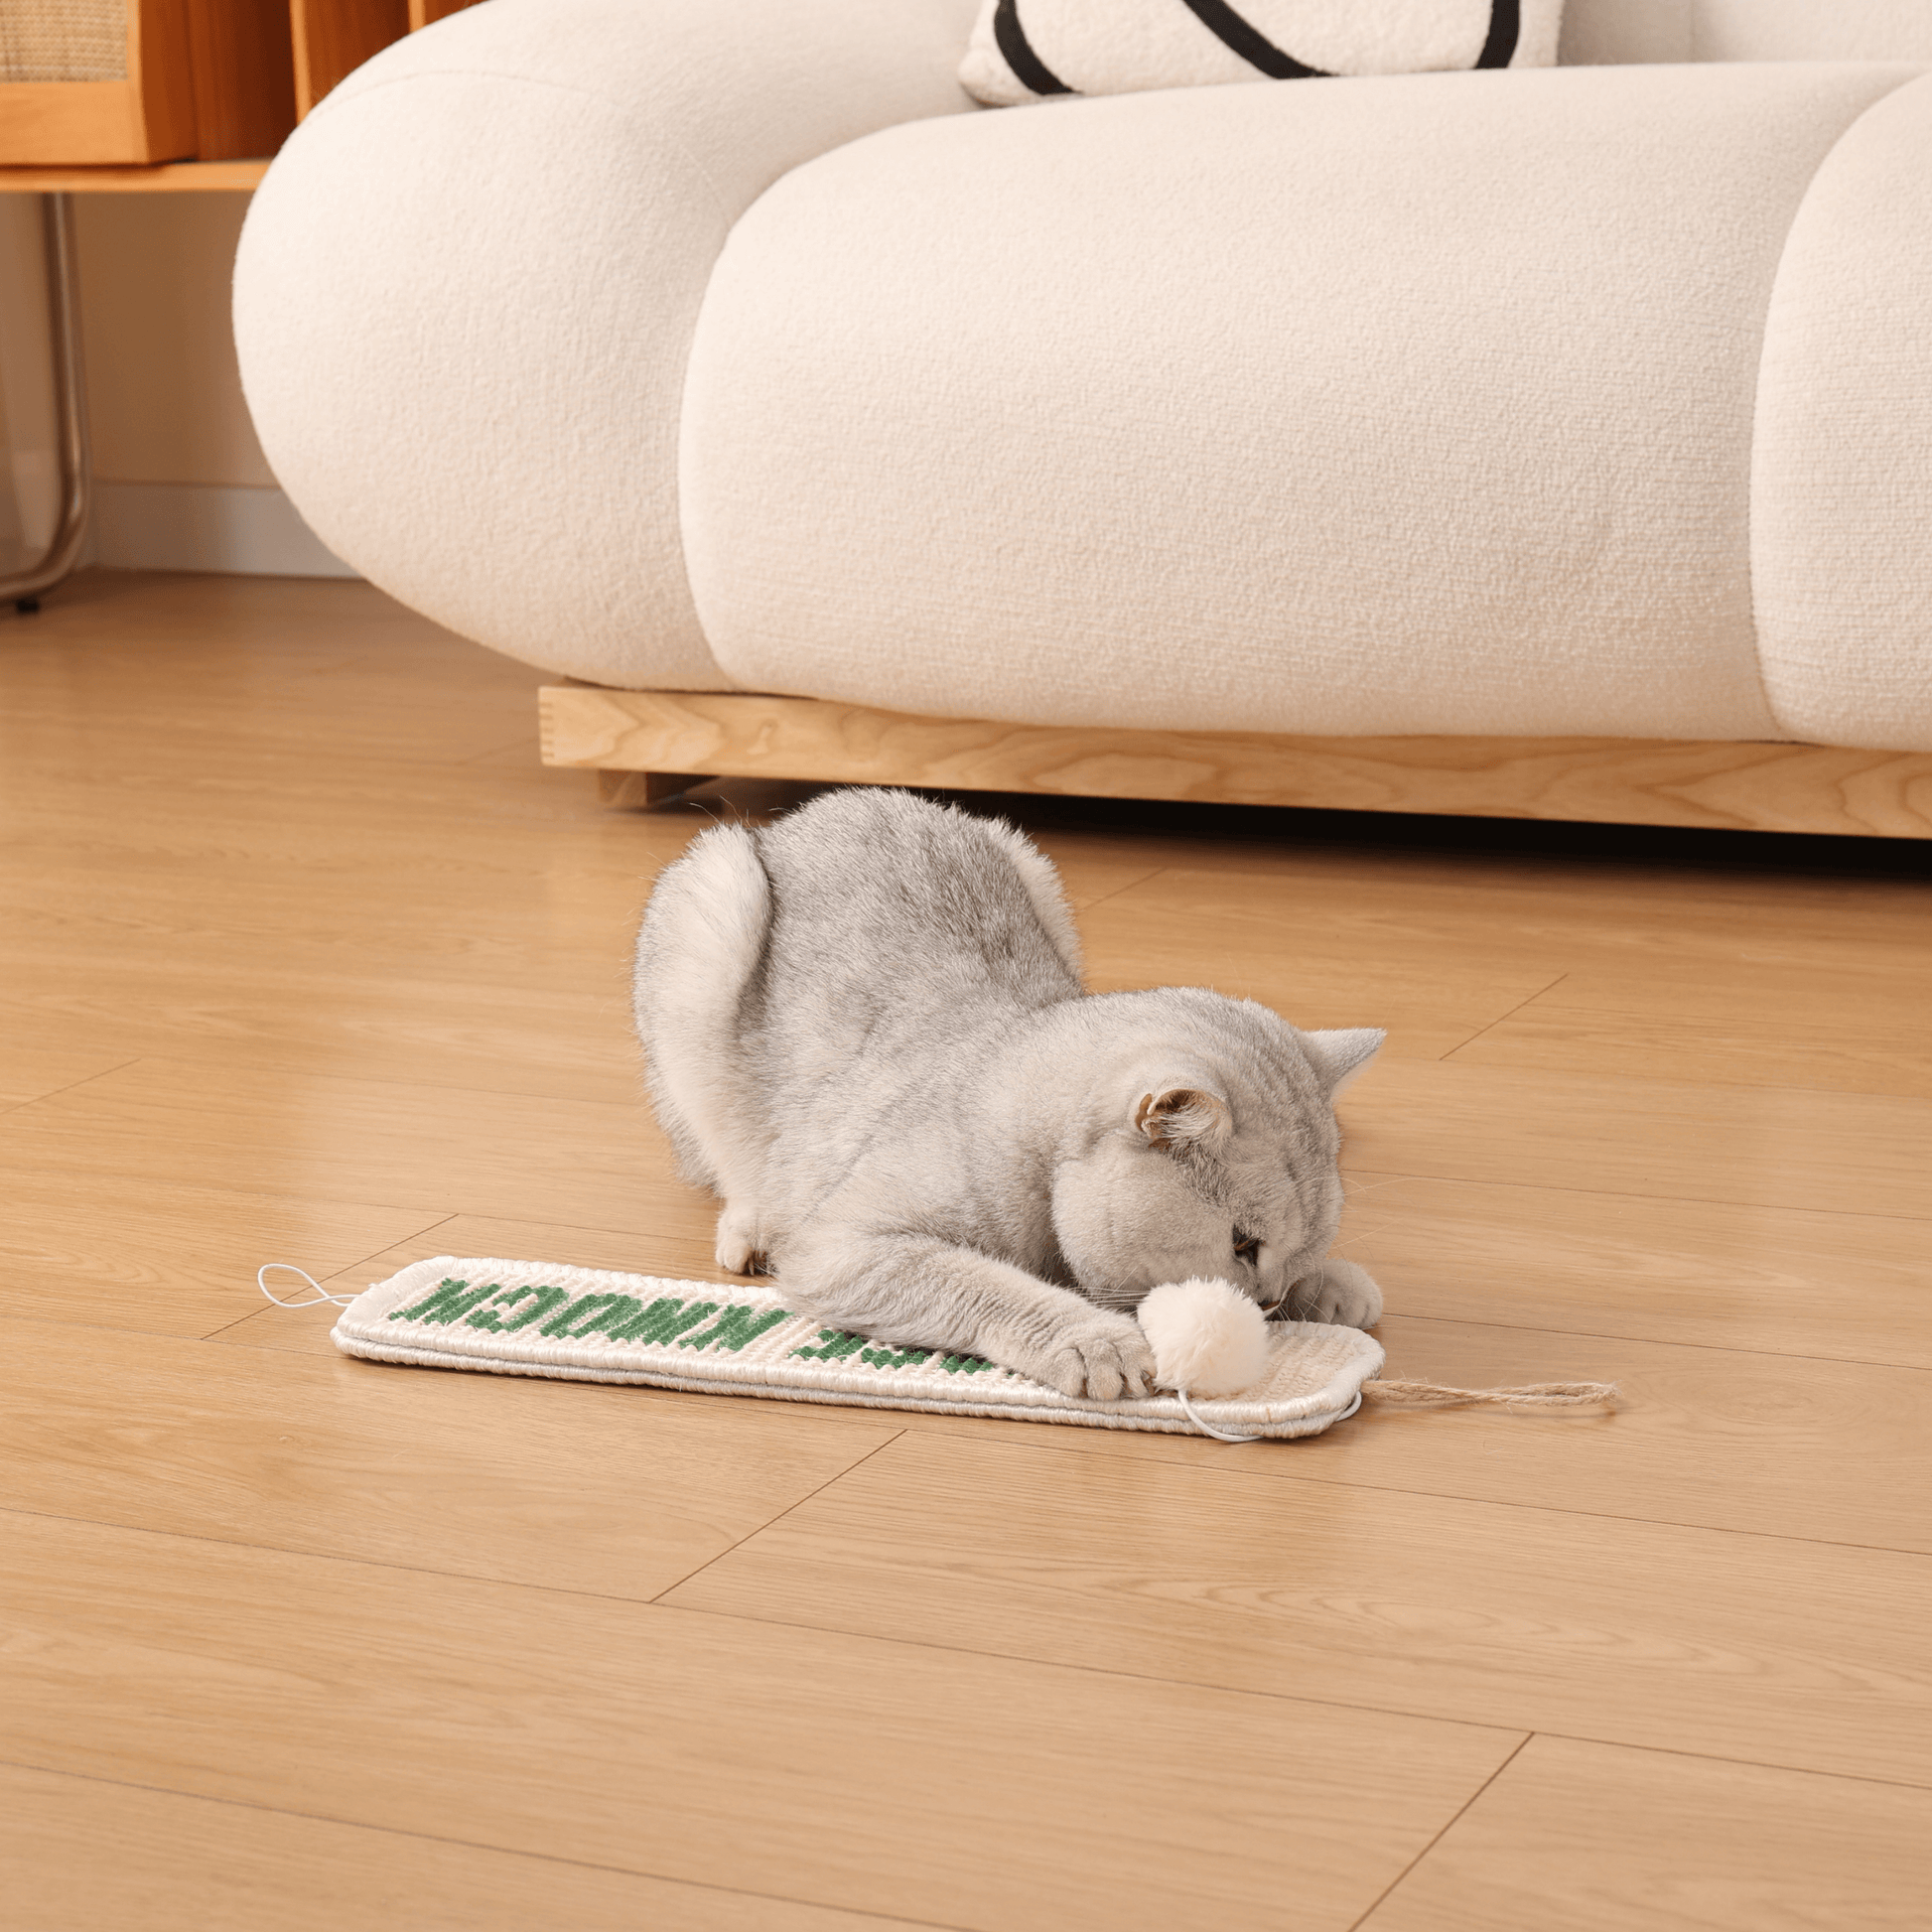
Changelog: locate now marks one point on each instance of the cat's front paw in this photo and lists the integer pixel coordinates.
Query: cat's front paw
(1103, 1357)
(1339, 1291)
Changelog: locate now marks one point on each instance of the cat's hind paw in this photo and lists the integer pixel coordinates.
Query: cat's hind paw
(739, 1250)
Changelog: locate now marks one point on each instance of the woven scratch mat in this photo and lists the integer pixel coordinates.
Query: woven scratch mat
(524, 1317)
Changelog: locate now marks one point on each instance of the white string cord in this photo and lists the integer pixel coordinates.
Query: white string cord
(1225, 1435)
(1208, 1428)
(319, 1295)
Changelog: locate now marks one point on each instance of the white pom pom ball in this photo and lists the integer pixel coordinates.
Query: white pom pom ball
(1208, 1337)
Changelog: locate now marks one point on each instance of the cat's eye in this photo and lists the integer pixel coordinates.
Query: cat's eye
(1247, 1246)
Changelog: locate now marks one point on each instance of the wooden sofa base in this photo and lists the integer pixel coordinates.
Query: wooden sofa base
(653, 744)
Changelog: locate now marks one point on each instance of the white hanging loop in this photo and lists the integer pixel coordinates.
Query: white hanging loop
(1208, 1428)
(319, 1295)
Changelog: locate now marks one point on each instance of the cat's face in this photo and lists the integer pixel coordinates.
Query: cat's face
(1207, 1175)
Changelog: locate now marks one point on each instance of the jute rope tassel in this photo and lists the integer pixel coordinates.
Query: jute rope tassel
(1532, 1395)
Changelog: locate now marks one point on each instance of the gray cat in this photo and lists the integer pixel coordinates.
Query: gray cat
(866, 1031)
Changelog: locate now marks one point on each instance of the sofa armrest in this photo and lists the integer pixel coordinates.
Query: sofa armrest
(467, 287)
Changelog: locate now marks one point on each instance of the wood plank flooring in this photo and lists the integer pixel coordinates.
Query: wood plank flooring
(306, 958)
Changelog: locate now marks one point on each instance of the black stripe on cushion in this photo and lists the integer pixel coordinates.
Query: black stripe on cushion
(1243, 38)
(1017, 52)
(1505, 25)
(1250, 43)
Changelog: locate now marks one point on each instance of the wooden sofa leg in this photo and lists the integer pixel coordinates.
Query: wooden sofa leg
(635, 789)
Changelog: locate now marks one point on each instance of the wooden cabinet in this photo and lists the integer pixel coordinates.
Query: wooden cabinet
(333, 38)
(241, 55)
(105, 82)
(92, 81)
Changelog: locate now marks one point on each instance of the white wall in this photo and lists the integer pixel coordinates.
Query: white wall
(162, 382)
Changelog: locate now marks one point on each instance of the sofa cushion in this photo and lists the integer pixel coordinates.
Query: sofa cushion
(1596, 32)
(466, 292)
(1842, 485)
(1421, 404)
(1024, 49)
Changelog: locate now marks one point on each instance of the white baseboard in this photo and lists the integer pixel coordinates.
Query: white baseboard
(247, 532)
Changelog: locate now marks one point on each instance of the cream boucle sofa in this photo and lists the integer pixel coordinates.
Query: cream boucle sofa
(1555, 442)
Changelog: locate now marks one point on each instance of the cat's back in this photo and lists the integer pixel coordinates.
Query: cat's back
(916, 902)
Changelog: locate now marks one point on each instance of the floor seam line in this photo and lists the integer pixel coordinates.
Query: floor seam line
(339, 1556)
(1521, 1745)
(1081, 911)
(1501, 1017)
(468, 1844)
(54, 1093)
(187, 1059)
(1628, 1193)
(1305, 1696)
(1252, 1471)
(1099, 1670)
(1720, 1757)
(1659, 1341)
(779, 1518)
(53, 1168)
(360, 1261)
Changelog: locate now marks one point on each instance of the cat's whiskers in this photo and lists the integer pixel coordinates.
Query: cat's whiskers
(1349, 1186)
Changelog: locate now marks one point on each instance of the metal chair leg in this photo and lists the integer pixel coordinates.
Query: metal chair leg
(23, 587)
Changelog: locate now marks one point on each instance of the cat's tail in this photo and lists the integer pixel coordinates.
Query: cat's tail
(698, 959)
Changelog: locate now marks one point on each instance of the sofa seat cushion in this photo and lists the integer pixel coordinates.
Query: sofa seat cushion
(1421, 404)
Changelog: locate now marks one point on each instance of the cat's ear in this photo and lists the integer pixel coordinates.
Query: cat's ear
(1338, 1055)
(1190, 1116)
